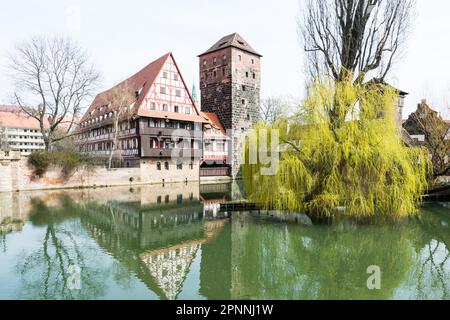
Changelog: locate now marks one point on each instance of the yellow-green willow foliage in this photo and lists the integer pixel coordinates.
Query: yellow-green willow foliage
(341, 155)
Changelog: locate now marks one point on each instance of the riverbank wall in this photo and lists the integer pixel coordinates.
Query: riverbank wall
(17, 175)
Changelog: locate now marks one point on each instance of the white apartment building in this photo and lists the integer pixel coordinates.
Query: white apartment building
(19, 131)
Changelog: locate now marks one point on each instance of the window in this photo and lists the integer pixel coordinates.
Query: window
(253, 61)
(166, 165)
(214, 74)
(175, 77)
(165, 75)
(248, 116)
(246, 74)
(204, 62)
(152, 106)
(179, 165)
(165, 107)
(158, 166)
(224, 57)
(254, 75)
(215, 60)
(243, 101)
(243, 88)
(239, 57)
(162, 90)
(166, 199)
(176, 109)
(178, 93)
(187, 110)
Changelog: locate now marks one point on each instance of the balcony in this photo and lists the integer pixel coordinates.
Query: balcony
(167, 132)
(169, 153)
(215, 172)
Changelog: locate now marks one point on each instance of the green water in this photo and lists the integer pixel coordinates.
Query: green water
(172, 243)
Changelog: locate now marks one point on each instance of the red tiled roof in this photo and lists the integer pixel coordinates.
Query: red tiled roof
(214, 121)
(143, 79)
(141, 82)
(17, 119)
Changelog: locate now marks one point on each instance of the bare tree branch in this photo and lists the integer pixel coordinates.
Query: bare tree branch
(53, 74)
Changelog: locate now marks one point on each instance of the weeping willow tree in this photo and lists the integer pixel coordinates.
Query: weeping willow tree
(341, 155)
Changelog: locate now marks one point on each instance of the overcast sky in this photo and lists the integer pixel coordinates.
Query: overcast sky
(124, 36)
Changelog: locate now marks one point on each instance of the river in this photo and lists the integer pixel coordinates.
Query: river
(171, 242)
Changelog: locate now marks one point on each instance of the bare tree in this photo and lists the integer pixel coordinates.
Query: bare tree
(274, 108)
(435, 131)
(344, 38)
(56, 75)
(121, 101)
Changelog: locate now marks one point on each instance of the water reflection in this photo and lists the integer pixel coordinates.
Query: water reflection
(173, 242)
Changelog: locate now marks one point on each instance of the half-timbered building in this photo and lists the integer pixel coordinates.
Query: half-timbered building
(161, 133)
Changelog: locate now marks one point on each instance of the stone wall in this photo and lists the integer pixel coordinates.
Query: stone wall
(16, 174)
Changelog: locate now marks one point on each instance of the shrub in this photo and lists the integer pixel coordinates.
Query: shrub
(68, 162)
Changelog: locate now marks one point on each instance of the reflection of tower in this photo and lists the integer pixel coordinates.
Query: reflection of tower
(239, 254)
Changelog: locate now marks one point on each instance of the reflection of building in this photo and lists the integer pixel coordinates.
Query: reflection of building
(170, 266)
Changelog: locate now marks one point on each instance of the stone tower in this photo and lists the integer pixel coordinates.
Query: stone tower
(230, 77)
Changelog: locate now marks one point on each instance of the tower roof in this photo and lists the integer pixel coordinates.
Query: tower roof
(231, 40)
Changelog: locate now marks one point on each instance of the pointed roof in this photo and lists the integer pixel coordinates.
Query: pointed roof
(231, 40)
(214, 122)
(140, 82)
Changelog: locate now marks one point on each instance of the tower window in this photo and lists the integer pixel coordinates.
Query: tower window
(243, 101)
(253, 61)
(204, 62)
(224, 57)
(254, 75)
(239, 57)
(243, 88)
(215, 60)
(248, 116)
(246, 74)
